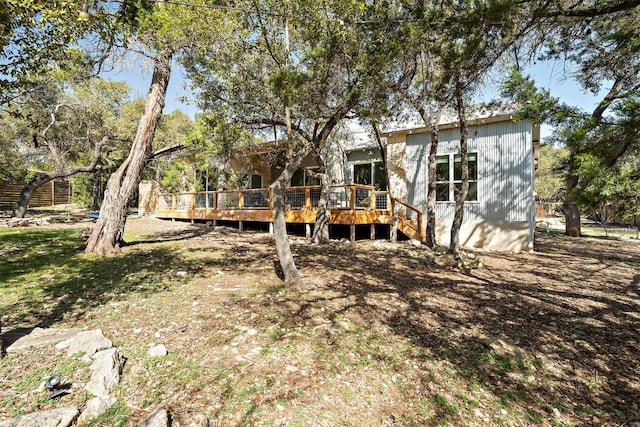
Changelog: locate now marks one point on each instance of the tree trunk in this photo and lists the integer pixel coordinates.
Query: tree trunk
(323, 212)
(393, 235)
(106, 236)
(20, 209)
(461, 195)
(431, 188)
(278, 189)
(572, 218)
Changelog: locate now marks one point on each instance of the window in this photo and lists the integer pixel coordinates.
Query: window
(370, 174)
(442, 178)
(300, 178)
(251, 181)
(472, 195)
(449, 177)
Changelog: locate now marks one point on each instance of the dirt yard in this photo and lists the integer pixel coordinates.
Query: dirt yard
(390, 337)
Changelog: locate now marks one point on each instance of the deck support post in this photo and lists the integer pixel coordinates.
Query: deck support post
(270, 228)
(241, 225)
(352, 233)
(307, 231)
(372, 232)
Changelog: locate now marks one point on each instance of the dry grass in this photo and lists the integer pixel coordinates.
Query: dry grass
(387, 339)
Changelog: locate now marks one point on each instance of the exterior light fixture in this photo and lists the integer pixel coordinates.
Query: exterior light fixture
(52, 384)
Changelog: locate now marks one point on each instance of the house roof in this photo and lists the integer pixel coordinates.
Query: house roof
(450, 125)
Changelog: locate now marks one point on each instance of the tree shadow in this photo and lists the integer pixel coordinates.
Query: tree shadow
(572, 310)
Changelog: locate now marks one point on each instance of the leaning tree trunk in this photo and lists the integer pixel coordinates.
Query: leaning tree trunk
(106, 236)
(461, 195)
(20, 209)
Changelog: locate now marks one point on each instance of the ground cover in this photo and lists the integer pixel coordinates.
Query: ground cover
(388, 338)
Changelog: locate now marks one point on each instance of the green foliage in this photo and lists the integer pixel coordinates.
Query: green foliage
(549, 179)
(179, 176)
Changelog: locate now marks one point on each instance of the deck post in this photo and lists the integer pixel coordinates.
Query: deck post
(270, 228)
(352, 233)
(241, 225)
(352, 197)
(307, 230)
(215, 200)
(173, 202)
(307, 198)
(372, 232)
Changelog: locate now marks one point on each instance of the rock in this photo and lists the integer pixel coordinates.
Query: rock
(446, 260)
(416, 243)
(158, 418)
(504, 349)
(59, 417)
(158, 351)
(89, 342)
(96, 407)
(343, 324)
(40, 337)
(181, 274)
(105, 372)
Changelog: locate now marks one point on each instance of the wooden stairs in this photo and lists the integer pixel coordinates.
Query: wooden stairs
(410, 227)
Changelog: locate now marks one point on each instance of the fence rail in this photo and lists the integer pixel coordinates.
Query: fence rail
(355, 197)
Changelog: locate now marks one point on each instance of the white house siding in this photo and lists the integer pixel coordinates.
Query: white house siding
(503, 216)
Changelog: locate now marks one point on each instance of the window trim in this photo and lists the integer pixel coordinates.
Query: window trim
(452, 182)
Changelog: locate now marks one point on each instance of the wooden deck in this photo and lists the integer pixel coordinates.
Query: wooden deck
(349, 204)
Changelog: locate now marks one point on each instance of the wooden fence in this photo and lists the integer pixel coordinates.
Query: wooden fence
(52, 193)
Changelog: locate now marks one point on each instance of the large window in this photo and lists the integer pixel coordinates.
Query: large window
(301, 178)
(370, 174)
(449, 177)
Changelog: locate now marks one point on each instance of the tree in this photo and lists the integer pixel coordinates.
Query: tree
(165, 29)
(603, 46)
(549, 179)
(62, 133)
(39, 37)
(301, 68)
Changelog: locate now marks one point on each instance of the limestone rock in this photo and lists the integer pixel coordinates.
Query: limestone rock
(89, 342)
(447, 260)
(158, 418)
(59, 417)
(40, 337)
(504, 349)
(105, 372)
(96, 407)
(158, 351)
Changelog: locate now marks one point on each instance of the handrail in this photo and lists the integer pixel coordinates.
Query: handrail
(418, 212)
(235, 199)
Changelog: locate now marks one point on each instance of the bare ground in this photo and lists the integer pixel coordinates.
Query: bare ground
(388, 338)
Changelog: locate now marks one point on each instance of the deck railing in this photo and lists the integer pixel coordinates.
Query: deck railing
(353, 196)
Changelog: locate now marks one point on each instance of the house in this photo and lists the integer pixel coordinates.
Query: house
(499, 211)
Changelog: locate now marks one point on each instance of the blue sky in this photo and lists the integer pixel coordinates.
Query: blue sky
(552, 75)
